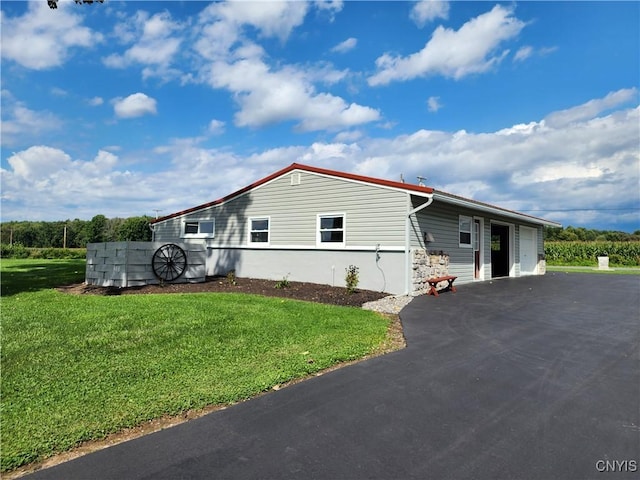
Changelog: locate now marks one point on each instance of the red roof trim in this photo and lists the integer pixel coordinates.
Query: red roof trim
(306, 168)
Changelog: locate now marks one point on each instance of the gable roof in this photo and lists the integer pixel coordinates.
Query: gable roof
(407, 187)
(427, 191)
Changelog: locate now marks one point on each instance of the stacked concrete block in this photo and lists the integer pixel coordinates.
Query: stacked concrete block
(129, 264)
(427, 265)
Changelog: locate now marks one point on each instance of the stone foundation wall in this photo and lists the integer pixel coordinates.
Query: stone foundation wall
(426, 265)
(542, 265)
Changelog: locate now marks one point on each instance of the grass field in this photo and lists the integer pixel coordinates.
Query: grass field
(594, 270)
(77, 368)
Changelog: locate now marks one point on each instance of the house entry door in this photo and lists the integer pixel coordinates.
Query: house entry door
(499, 251)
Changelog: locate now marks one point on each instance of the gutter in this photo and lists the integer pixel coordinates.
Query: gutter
(407, 238)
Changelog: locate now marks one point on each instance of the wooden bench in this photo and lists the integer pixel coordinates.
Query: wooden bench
(433, 282)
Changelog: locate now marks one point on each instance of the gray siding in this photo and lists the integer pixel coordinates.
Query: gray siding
(441, 220)
(374, 215)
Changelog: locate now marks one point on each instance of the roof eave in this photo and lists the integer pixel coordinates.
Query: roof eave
(484, 207)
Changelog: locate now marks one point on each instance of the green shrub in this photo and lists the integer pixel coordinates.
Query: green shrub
(351, 279)
(284, 283)
(14, 251)
(18, 251)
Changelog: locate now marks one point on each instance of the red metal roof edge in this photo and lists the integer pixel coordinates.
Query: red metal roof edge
(306, 168)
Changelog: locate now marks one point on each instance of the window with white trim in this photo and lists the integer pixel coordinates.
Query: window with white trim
(259, 230)
(464, 231)
(331, 229)
(193, 228)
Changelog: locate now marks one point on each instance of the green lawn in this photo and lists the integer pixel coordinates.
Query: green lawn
(594, 269)
(76, 368)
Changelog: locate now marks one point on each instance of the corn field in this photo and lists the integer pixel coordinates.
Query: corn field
(587, 253)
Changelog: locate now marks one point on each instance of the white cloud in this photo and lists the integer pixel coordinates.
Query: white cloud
(474, 48)
(347, 45)
(331, 7)
(221, 23)
(216, 127)
(266, 97)
(20, 123)
(95, 101)
(348, 136)
(592, 108)
(43, 38)
(589, 162)
(135, 105)
(523, 53)
(155, 44)
(425, 11)
(433, 104)
(265, 94)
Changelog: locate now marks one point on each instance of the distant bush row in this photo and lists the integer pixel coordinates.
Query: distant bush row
(19, 251)
(623, 254)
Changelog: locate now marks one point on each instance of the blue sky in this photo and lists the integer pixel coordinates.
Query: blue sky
(128, 108)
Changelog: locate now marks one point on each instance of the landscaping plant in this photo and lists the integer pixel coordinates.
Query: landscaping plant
(351, 278)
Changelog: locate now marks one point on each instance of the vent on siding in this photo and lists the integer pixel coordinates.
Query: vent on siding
(295, 179)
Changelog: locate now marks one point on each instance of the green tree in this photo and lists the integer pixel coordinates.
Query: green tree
(96, 229)
(112, 229)
(135, 229)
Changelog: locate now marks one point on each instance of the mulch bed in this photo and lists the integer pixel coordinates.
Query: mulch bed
(311, 292)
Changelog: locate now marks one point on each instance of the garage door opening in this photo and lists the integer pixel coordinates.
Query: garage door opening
(499, 251)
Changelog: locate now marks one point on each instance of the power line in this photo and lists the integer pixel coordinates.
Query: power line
(580, 209)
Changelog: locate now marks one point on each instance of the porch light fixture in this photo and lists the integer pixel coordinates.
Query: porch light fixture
(428, 237)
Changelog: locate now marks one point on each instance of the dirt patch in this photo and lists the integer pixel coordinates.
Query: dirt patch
(297, 290)
(310, 292)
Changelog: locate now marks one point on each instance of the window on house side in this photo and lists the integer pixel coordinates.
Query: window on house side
(464, 230)
(331, 228)
(199, 228)
(259, 230)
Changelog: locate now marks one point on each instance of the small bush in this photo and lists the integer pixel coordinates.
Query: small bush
(231, 278)
(351, 279)
(284, 283)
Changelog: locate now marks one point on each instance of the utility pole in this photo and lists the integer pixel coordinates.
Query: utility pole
(64, 238)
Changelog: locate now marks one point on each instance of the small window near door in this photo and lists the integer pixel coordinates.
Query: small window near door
(259, 230)
(464, 231)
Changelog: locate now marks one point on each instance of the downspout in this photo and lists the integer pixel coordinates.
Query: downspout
(407, 239)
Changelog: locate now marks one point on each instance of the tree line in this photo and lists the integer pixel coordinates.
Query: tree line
(581, 234)
(75, 233)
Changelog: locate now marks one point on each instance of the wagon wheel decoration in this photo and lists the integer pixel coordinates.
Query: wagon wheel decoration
(169, 262)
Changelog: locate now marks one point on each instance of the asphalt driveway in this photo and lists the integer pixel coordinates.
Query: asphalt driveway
(530, 378)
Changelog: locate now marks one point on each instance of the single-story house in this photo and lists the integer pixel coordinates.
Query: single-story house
(310, 224)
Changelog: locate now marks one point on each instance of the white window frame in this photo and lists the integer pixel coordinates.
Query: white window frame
(469, 221)
(183, 226)
(319, 231)
(268, 230)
